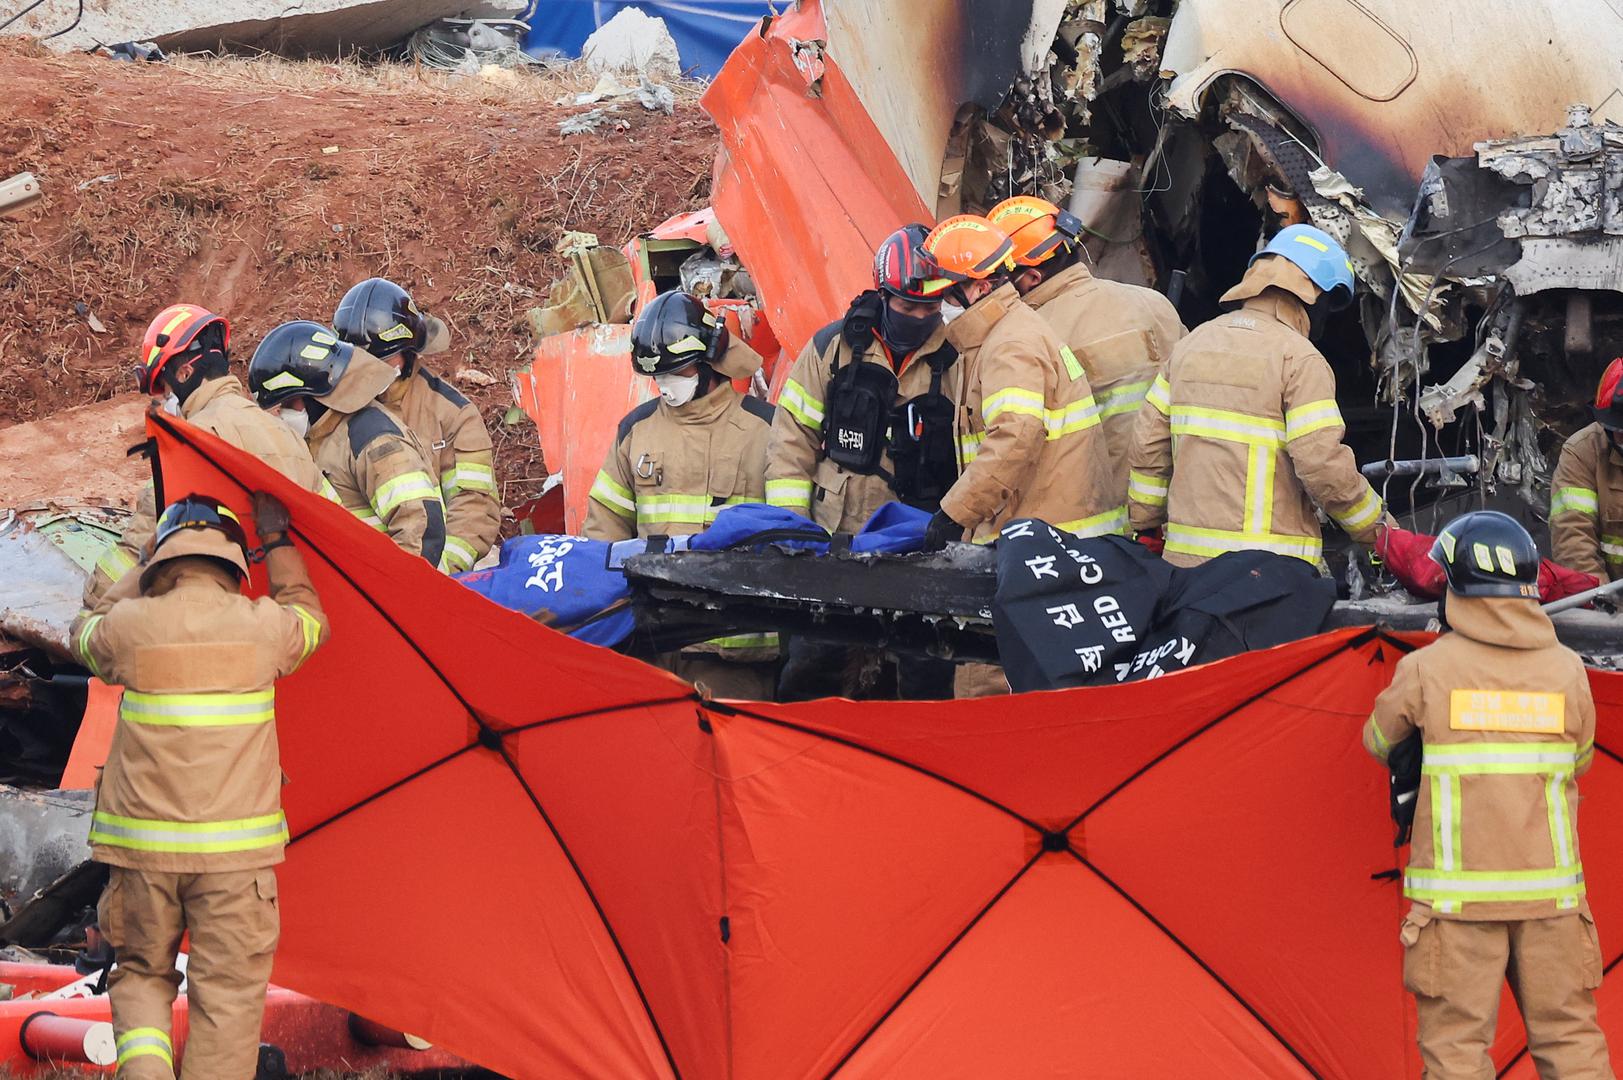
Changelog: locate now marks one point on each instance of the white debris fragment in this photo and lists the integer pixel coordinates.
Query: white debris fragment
(473, 377)
(632, 41)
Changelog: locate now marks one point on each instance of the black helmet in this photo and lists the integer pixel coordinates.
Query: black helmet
(379, 316)
(1486, 553)
(297, 359)
(673, 332)
(199, 512)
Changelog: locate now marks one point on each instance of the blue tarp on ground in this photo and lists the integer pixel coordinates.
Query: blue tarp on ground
(706, 31)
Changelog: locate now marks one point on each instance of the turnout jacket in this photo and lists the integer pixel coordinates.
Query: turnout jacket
(381, 471)
(1123, 335)
(450, 428)
(1241, 436)
(1586, 505)
(799, 475)
(1508, 725)
(193, 780)
(221, 407)
(1031, 442)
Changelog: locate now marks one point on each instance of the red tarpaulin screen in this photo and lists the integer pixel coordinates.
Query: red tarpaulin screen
(555, 861)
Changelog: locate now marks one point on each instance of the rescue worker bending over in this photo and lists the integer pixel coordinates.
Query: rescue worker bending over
(1586, 496)
(868, 415)
(678, 459)
(1242, 436)
(1506, 725)
(1122, 334)
(185, 363)
(188, 810)
(381, 472)
(377, 315)
(1031, 443)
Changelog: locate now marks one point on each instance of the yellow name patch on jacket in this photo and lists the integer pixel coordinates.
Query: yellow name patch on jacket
(1507, 710)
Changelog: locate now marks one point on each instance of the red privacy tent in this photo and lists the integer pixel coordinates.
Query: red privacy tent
(557, 861)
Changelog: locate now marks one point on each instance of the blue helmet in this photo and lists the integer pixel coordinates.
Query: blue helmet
(1320, 258)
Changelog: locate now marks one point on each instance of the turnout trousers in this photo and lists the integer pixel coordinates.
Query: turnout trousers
(234, 924)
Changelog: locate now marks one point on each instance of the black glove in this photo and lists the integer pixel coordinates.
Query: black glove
(941, 531)
(270, 516)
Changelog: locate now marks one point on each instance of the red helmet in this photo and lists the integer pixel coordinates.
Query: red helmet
(1608, 402)
(178, 329)
(901, 266)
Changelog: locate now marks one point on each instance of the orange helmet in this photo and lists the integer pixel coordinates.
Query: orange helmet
(1037, 228)
(967, 247)
(178, 329)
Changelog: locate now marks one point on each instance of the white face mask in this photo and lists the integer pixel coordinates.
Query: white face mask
(950, 311)
(171, 405)
(677, 389)
(297, 419)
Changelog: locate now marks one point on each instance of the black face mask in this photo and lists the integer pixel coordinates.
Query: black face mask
(905, 334)
(1318, 313)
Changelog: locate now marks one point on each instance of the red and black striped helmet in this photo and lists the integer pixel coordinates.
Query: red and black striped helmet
(1608, 400)
(901, 266)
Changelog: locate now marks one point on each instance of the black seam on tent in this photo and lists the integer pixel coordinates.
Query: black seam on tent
(734, 707)
(602, 916)
(1351, 643)
(933, 964)
(532, 725)
(381, 792)
(1204, 966)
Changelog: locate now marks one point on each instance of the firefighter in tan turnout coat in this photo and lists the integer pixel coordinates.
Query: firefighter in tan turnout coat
(1507, 726)
(188, 810)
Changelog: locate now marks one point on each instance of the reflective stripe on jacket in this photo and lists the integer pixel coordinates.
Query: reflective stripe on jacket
(193, 781)
(382, 474)
(1242, 437)
(671, 470)
(1029, 428)
(1122, 334)
(1508, 725)
(451, 431)
(1586, 505)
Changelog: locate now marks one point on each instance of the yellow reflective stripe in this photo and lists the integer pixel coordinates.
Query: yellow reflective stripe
(1125, 398)
(328, 492)
(1481, 759)
(1190, 540)
(1259, 488)
(115, 562)
(458, 555)
(789, 493)
(1077, 416)
(746, 641)
(679, 509)
(312, 630)
(614, 495)
(1612, 548)
(1073, 367)
(1160, 395)
(370, 518)
(1586, 754)
(1584, 500)
(1013, 399)
(82, 644)
(1314, 416)
(1112, 522)
(199, 710)
(391, 495)
(143, 834)
(1445, 833)
(1227, 426)
(1377, 738)
(146, 1042)
(468, 476)
(1448, 889)
(1562, 840)
(1363, 512)
(969, 446)
(1147, 489)
(801, 405)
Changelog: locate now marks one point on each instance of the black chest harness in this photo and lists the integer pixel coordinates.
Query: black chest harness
(864, 420)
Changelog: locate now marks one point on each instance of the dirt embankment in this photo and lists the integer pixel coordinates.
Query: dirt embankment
(264, 189)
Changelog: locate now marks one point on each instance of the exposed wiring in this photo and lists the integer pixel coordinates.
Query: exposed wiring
(77, 16)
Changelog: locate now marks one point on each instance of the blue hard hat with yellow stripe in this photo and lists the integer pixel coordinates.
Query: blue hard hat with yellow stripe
(1319, 256)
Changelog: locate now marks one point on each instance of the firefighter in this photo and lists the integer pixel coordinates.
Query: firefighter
(188, 809)
(1241, 436)
(1506, 726)
(185, 365)
(1586, 496)
(1122, 334)
(1032, 444)
(867, 416)
(380, 470)
(678, 459)
(377, 315)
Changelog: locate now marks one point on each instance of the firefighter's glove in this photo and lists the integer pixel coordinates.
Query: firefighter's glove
(270, 516)
(941, 531)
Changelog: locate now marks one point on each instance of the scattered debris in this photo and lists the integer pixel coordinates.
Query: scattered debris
(134, 51)
(632, 41)
(18, 193)
(588, 122)
(473, 377)
(490, 48)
